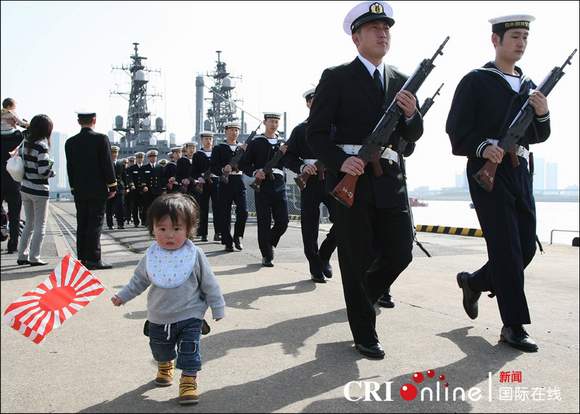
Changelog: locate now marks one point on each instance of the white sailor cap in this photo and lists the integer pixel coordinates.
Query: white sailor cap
(206, 134)
(152, 152)
(190, 144)
(272, 115)
(139, 154)
(162, 161)
(514, 21)
(232, 125)
(176, 149)
(131, 158)
(309, 94)
(365, 12)
(83, 113)
(115, 148)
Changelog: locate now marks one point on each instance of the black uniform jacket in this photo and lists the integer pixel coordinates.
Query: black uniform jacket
(183, 169)
(89, 165)
(200, 164)
(298, 149)
(346, 109)
(258, 153)
(483, 106)
(134, 176)
(221, 156)
(152, 177)
(120, 175)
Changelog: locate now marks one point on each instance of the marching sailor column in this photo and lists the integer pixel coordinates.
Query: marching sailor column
(271, 201)
(231, 188)
(300, 159)
(135, 194)
(208, 186)
(374, 235)
(485, 98)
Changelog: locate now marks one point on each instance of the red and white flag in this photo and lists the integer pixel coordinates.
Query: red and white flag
(69, 288)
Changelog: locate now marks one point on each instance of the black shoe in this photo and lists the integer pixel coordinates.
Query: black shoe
(136, 225)
(374, 351)
(229, 249)
(217, 237)
(386, 301)
(267, 262)
(22, 262)
(110, 227)
(120, 227)
(327, 269)
(97, 265)
(318, 278)
(470, 297)
(39, 263)
(205, 329)
(238, 244)
(517, 337)
(203, 238)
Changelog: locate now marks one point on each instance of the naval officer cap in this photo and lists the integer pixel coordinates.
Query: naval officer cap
(206, 134)
(152, 152)
(139, 154)
(232, 125)
(514, 21)
(309, 94)
(367, 11)
(272, 115)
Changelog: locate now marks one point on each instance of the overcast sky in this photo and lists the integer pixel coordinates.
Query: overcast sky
(57, 57)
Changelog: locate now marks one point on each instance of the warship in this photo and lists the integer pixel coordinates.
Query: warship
(138, 133)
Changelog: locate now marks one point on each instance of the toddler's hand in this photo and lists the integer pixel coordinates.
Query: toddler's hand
(116, 300)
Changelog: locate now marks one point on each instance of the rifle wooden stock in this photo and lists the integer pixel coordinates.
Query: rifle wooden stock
(485, 177)
(302, 179)
(344, 190)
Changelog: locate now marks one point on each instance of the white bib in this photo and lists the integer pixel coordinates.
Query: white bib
(170, 268)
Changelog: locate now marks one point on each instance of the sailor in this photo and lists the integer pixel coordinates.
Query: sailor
(184, 168)
(208, 186)
(172, 186)
(151, 174)
(485, 102)
(116, 203)
(300, 159)
(271, 200)
(92, 181)
(374, 235)
(230, 189)
(134, 198)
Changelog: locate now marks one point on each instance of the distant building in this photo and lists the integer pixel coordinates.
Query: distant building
(539, 174)
(60, 180)
(551, 176)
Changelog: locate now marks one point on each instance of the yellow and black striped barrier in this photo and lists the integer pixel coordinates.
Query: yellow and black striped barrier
(456, 231)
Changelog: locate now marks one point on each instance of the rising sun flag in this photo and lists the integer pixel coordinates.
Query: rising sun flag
(69, 288)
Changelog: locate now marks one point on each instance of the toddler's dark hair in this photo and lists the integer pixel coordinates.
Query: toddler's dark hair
(175, 205)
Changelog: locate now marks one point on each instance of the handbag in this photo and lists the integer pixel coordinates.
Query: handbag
(15, 166)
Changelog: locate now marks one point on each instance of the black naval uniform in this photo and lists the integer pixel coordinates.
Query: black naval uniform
(134, 202)
(169, 171)
(183, 171)
(311, 197)
(151, 176)
(375, 239)
(483, 106)
(201, 162)
(92, 177)
(115, 205)
(271, 200)
(232, 192)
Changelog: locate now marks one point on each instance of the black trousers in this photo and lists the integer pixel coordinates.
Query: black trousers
(507, 216)
(90, 213)
(271, 205)
(232, 192)
(310, 199)
(374, 247)
(203, 200)
(11, 194)
(135, 205)
(116, 207)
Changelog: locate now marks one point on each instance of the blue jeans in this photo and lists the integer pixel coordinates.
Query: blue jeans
(186, 334)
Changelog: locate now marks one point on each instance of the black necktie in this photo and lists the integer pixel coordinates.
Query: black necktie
(378, 80)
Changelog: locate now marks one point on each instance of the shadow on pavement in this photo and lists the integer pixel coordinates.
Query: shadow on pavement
(243, 299)
(249, 268)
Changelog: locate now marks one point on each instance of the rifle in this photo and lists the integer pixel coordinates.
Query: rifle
(235, 161)
(302, 179)
(207, 178)
(424, 109)
(381, 134)
(257, 184)
(485, 177)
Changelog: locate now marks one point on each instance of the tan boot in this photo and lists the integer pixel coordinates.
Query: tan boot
(188, 390)
(165, 372)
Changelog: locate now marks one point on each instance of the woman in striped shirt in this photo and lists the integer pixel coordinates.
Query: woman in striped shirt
(34, 189)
